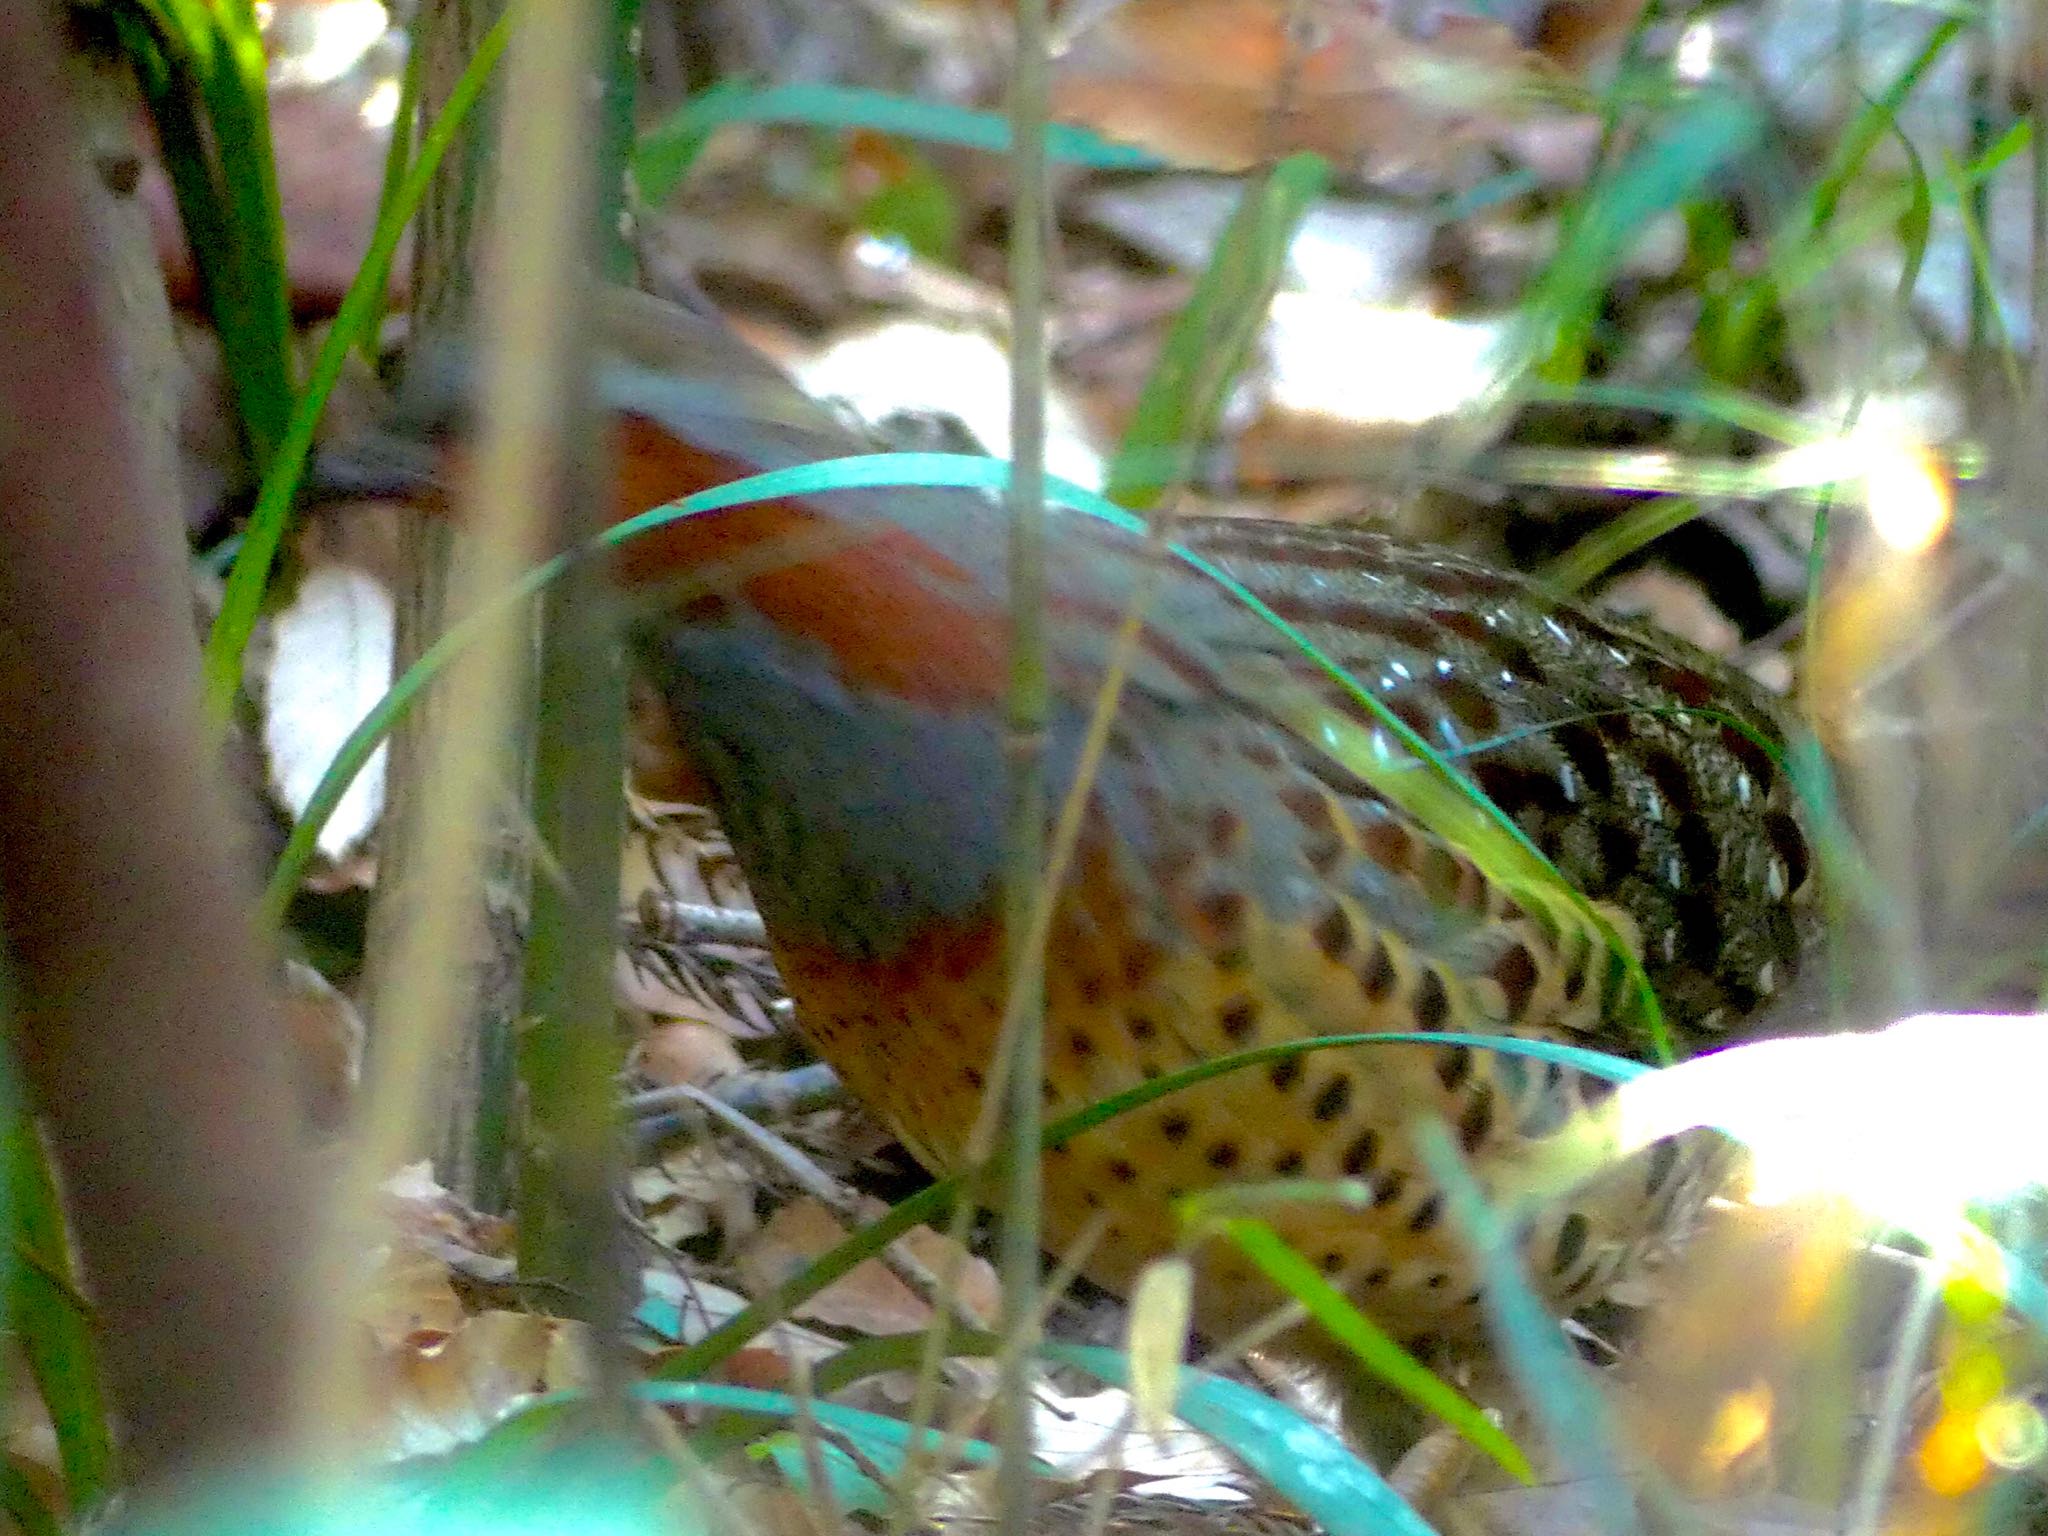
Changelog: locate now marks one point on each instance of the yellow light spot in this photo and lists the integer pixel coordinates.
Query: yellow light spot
(1951, 1460)
(1973, 1380)
(1906, 491)
(1739, 1427)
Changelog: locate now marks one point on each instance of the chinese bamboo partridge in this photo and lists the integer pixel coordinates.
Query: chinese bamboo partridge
(835, 666)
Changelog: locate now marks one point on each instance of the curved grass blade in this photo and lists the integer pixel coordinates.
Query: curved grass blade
(1705, 133)
(881, 1436)
(1304, 1461)
(1364, 1338)
(667, 150)
(361, 307)
(1213, 334)
(1707, 401)
(1586, 561)
(1580, 1426)
(1443, 798)
(1252, 1425)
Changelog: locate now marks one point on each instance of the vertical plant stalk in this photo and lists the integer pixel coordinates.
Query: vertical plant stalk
(470, 1073)
(530, 326)
(1029, 715)
(2034, 49)
(568, 1052)
(148, 1038)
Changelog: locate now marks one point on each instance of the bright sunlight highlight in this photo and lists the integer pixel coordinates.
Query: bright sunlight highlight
(1911, 1122)
(1900, 479)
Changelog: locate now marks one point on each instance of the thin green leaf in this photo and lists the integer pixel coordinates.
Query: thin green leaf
(18, 1498)
(363, 303)
(1572, 1410)
(1613, 542)
(1375, 1350)
(668, 149)
(1878, 117)
(1304, 1461)
(1987, 283)
(1213, 334)
(1914, 224)
(1706, 132)
(49, 1317)
(874, 1432)
(1705, 401)
(1441, 797)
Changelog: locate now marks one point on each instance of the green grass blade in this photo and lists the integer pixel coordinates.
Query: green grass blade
(1213, 334)
(257, 322)
(52, 1322)
(729, 1336)
(1375, 1350)
(1979, 246)
(1878, 118)
(1704, 134)
(1700, 401)
(667, 150)
(360, 308)
(1443, 798)
(1586, 561)
(18, 1499)
(1531, 1343)
(1315, 1470)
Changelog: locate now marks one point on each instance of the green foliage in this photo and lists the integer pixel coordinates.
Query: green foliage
(1338, 1316)
(362, 308)
(668, 150)
(53, 1321)
(202, 72)
(1213, 334)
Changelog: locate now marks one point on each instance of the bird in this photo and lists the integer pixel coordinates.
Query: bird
(829, 669)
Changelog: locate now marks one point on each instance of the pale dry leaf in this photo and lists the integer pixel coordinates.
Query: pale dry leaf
(695, 1189)
(698, 1306)
(1225, 84)
(869, 1299)
(329, 663)
(683, 1052)
(327, 1043)
(1080, 1436)
(447, 1389)
(1162, 1306)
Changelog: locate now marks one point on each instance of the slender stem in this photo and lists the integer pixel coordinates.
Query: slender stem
(569, 1231)
(1030, 708)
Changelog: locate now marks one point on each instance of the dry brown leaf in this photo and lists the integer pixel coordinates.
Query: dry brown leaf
(327, 1043)
(682, 1052)
(1225, 84)
(693, 1190)
(447, 1388)
(869, 1299)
